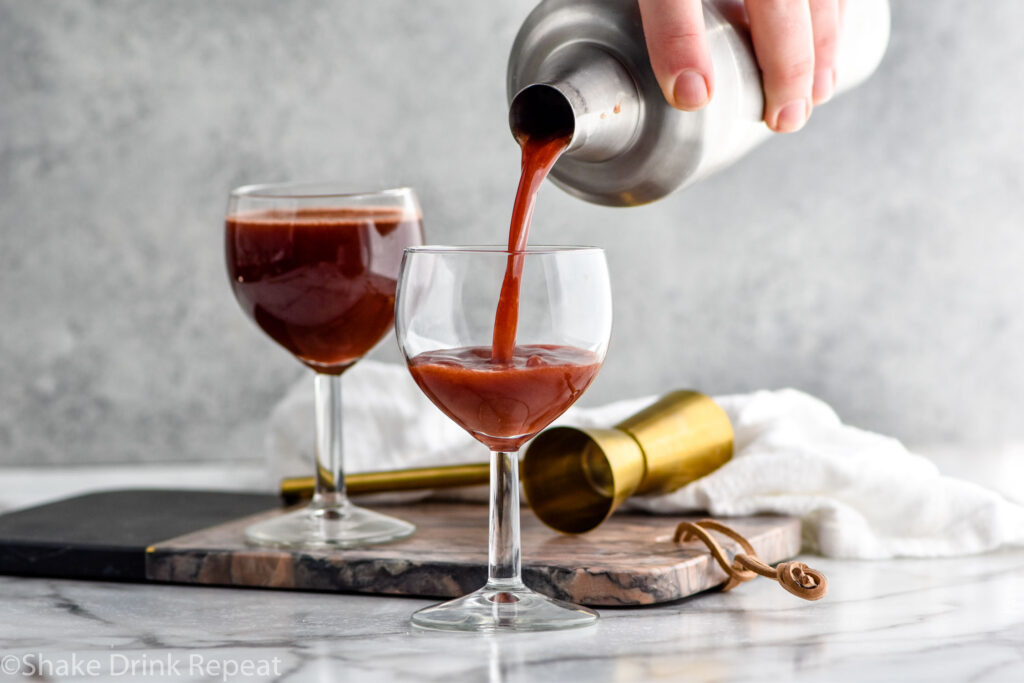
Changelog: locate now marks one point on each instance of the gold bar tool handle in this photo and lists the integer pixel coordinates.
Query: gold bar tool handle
(295, 489)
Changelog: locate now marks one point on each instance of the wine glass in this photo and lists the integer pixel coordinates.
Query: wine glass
(316, 269)
(503, 343)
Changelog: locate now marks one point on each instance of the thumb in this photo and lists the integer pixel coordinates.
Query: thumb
(678, 48)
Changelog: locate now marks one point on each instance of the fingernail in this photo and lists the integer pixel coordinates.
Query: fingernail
(690, 90)
(824, 85)
(792, 116)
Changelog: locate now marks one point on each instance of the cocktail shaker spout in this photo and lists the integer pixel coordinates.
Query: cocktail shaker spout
(581, 67)
(584, 91)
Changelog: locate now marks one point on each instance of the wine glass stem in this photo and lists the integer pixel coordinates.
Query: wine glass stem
(330, 475)
(503, 560)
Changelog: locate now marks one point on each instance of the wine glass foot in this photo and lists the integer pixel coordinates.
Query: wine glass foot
(497, 608)
(345, 526)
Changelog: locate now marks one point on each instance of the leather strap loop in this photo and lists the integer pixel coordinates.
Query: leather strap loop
(795, 577)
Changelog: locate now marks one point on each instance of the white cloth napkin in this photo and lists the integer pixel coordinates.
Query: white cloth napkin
(859, 494)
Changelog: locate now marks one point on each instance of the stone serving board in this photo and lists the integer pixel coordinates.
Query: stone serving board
(630, 560)
(196, 537)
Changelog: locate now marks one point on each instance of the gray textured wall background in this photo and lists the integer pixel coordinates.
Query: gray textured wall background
(873, 259)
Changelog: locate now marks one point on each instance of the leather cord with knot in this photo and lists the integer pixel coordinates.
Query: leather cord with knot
(795, 577)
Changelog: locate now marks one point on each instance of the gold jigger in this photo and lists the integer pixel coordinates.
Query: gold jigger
(575, 478)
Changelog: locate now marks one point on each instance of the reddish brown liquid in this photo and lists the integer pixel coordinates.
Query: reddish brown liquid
(505, 394)
(539, 155)
(320, 281)
(505, 404)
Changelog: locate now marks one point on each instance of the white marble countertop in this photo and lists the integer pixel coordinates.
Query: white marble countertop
(908, 620)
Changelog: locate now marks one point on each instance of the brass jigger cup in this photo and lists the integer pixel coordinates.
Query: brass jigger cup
(575, 478)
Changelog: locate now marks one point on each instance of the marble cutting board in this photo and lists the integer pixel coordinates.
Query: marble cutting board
(194, 537)
(629, 560)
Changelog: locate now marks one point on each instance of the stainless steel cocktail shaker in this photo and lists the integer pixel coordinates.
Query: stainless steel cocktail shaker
(582, 65)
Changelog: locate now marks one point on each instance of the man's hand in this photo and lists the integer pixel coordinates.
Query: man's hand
(795, 42)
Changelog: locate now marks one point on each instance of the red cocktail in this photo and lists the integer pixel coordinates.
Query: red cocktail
(317, 270)
(320, 281)
(445, 323)
(503, 404)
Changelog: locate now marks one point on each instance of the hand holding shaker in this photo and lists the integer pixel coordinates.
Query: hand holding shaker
(583, 65)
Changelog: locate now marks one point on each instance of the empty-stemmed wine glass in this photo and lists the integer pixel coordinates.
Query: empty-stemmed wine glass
(316, 268)
(504, 371)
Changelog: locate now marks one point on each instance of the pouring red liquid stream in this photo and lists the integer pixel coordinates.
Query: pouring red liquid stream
(539, 155)
(505, 394)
